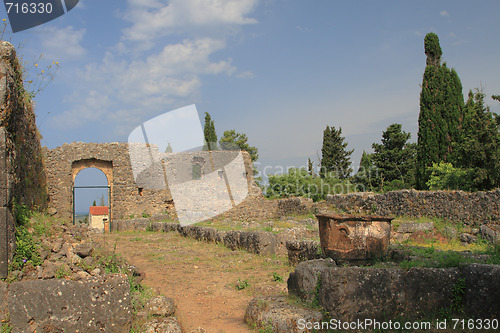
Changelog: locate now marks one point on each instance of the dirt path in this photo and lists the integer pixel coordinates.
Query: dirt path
(201, 277)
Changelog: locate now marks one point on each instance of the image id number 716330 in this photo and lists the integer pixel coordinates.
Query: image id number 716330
(474, 324)
(28, 7)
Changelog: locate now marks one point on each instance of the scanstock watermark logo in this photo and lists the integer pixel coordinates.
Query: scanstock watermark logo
(29, 14)
(169, 151)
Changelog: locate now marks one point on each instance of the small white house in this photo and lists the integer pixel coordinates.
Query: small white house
(97, 216)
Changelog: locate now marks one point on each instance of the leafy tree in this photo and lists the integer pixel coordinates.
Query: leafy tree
(335, 161)
(298, 182)
(479, 150)
(444, 176)
(395, 157)
(94, 204)
(231, 140)
(497, 98)
(209, 133)
(441, 112)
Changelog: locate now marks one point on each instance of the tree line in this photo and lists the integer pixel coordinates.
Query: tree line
(458, 146)
(230, 140)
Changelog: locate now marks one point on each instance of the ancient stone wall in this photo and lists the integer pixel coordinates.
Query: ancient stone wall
(21, 160)
(63, 164)
(148, 195)
(476, 208)
(353, 293)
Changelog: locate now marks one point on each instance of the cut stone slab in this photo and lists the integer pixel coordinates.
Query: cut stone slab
(161, 306)
(304, 280)
(160, 325)
(276, 313)
(414, 227)
(94, 305)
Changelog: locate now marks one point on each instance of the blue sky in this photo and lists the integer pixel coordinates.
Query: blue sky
(279, 71)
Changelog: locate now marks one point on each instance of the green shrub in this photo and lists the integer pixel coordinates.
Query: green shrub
(298, 182)
(27, 250)
(22, 214)
(241, 284)
(444, 176)
(277, 277)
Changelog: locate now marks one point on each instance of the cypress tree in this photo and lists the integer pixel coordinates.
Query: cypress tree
(310, 167)
(367, 174)
(209, 133)
(441, 112)
(335, 159)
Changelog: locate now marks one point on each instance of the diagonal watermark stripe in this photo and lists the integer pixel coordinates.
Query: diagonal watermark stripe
(167, 151)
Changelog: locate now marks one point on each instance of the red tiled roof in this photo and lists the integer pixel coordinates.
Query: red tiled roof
(98, 210)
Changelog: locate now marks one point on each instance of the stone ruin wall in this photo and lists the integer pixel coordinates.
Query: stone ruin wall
(127, 197)
(475, 209)
(21, 160)
(63, 164)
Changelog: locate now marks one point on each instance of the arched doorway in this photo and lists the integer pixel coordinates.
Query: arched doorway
(92, 186)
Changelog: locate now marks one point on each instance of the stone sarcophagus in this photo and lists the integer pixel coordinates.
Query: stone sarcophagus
(354, 238)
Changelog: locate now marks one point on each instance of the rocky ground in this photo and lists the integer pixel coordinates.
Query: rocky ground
(71, 253)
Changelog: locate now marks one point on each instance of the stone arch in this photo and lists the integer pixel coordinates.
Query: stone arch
(128, 198)
(105, 166)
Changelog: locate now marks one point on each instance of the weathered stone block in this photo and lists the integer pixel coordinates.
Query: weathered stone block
(299, 251)
(482, 290)
(414, 227)
(3, 300)
(351, 293)
(354, 237)
(170, 325)
(258, 242)
(6, 238)
(276, 313)
(429, 290)
(304, 281)
(170, 226)
(232, 239)
(98, 305)
(491, 233)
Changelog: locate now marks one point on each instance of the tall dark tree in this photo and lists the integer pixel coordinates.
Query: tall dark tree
(367, 174)
(395, 156)
(310, 167)
(479, 151)
(209, 133)
(335, 158)
(497, 98)
(441, 112)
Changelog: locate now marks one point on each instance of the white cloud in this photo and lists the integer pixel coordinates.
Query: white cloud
(303, 29)
(145, 86)
(138, 83)
(160, 18)
(245, 75)
(91, 107)
(444, 13)
(63, 43)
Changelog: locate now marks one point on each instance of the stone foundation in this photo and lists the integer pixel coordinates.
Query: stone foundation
(476, 208)
(351, 293)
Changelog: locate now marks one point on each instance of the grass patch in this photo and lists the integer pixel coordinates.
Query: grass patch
(241, 284)
(440, 255)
